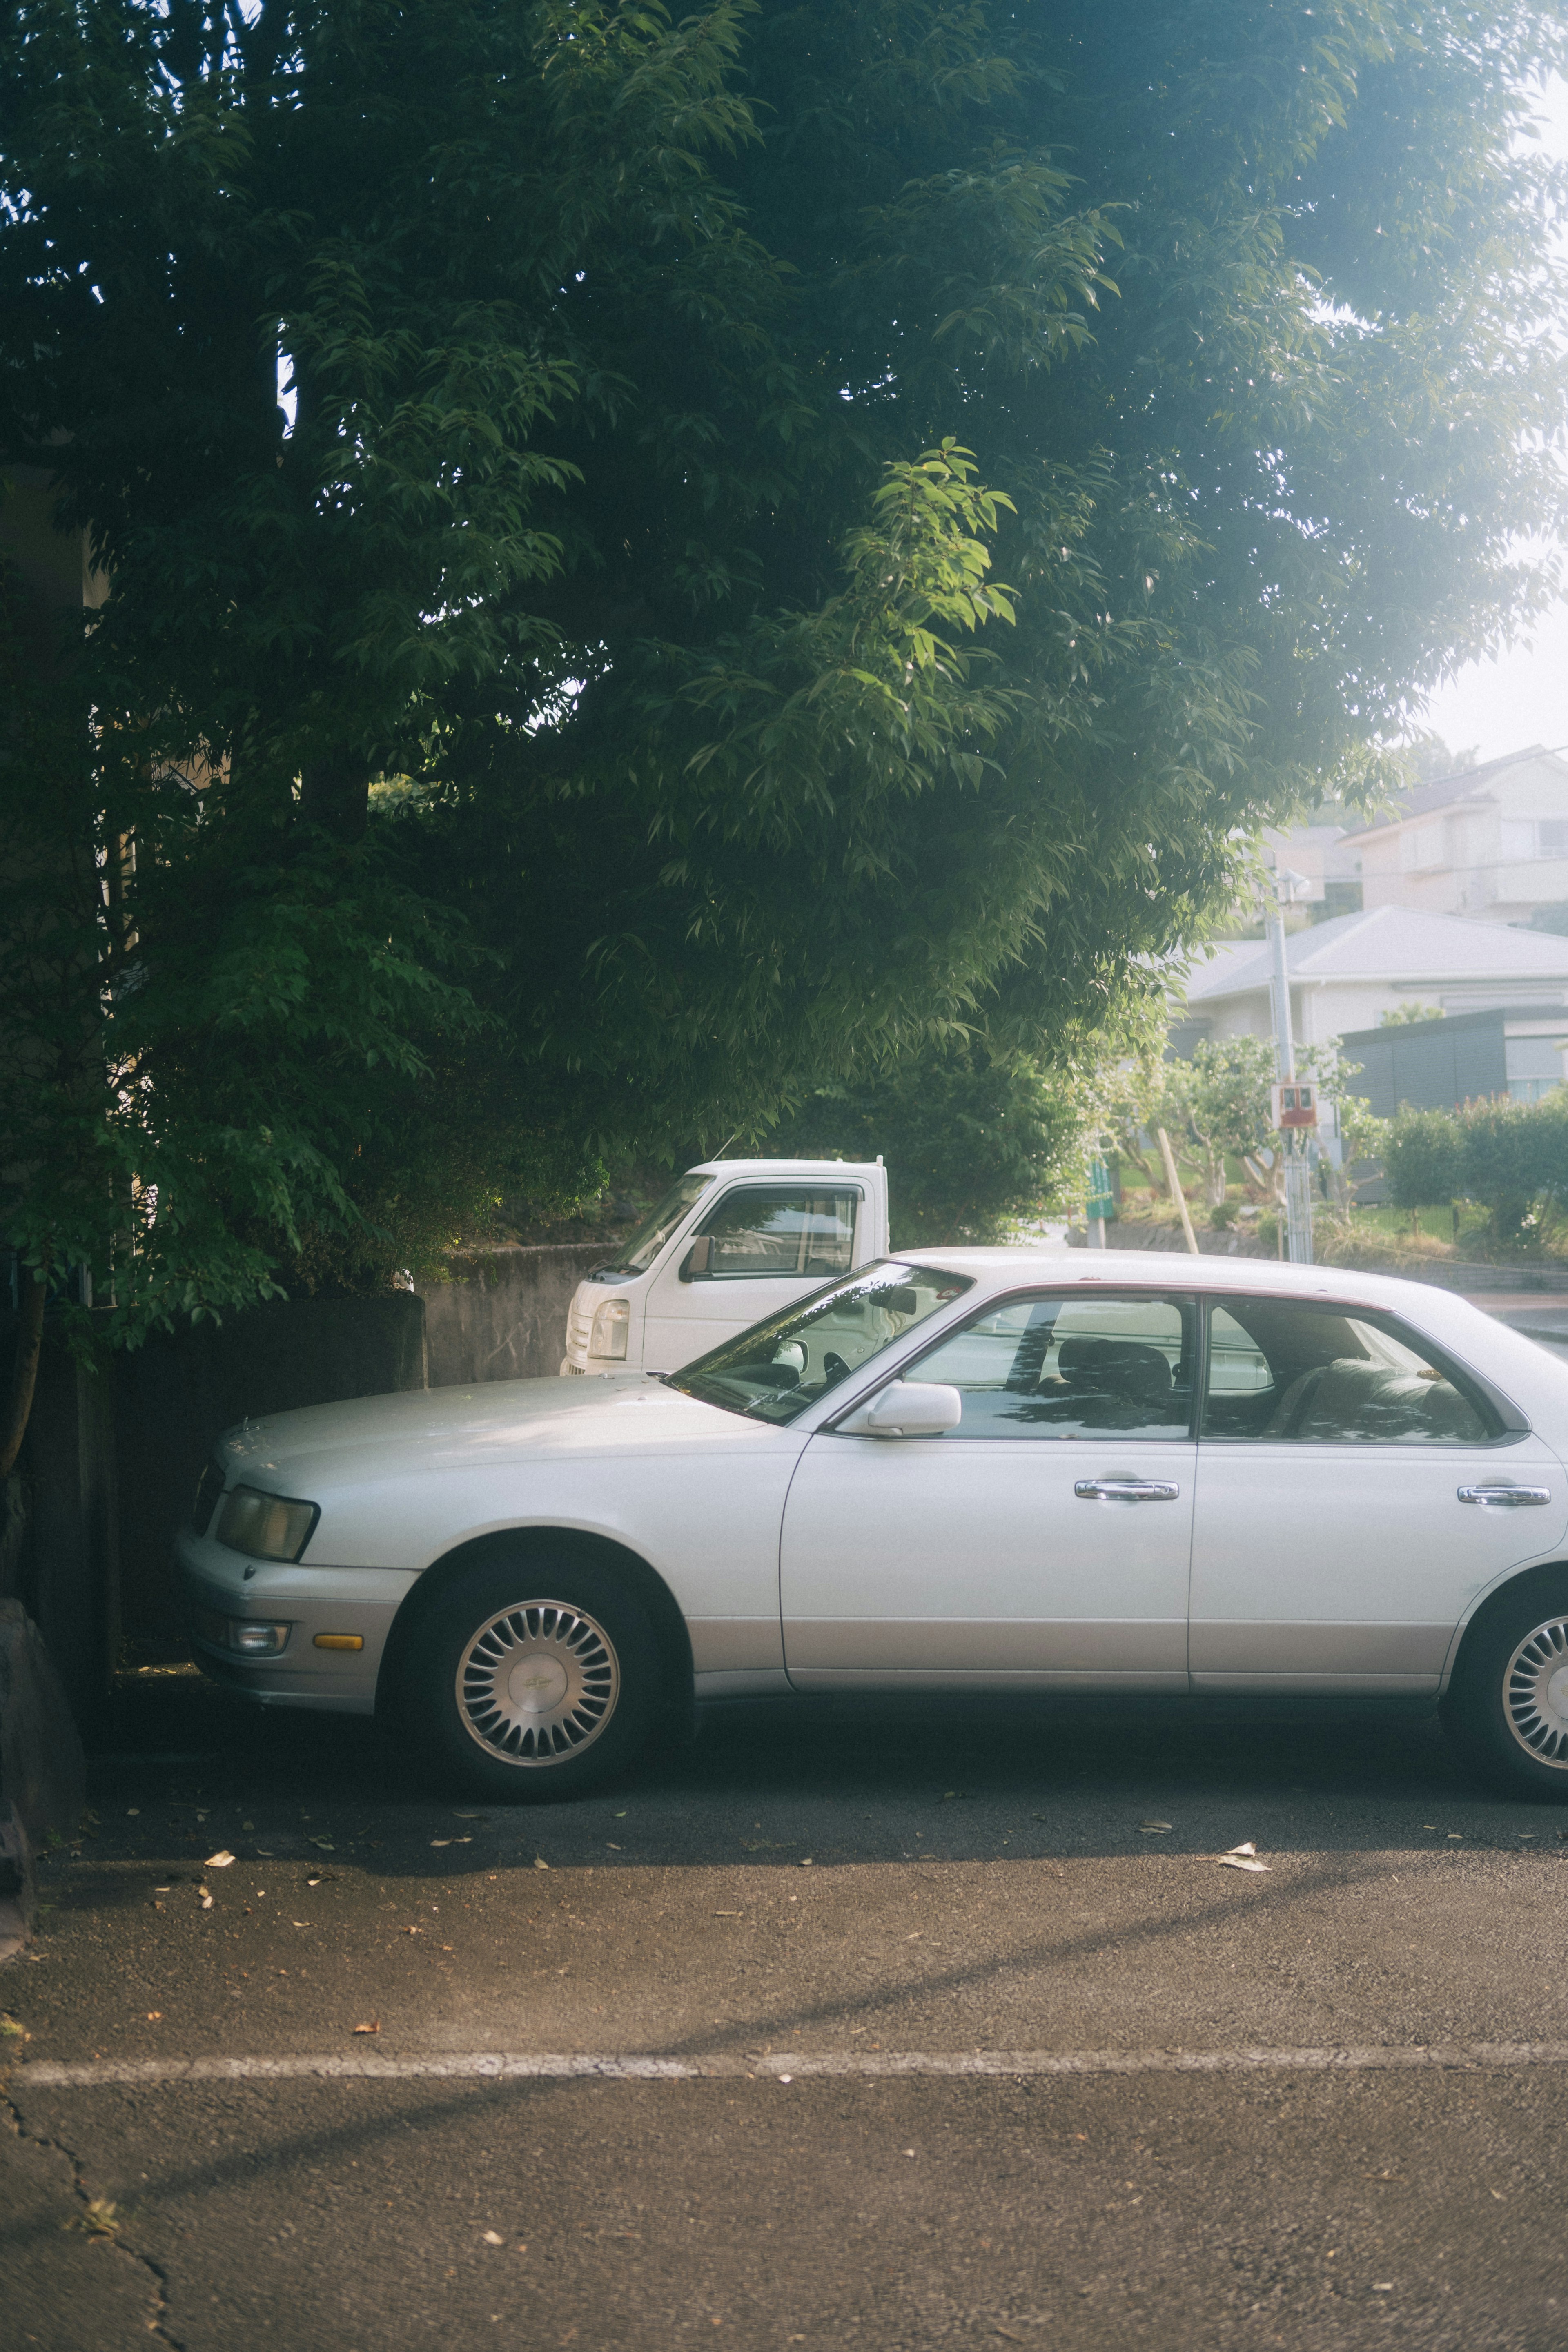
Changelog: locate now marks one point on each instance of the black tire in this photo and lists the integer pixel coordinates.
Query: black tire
(1506, 1706)
(575, 1708)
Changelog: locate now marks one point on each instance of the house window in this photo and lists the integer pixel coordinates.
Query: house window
(1523, 840)
(1532, 1066)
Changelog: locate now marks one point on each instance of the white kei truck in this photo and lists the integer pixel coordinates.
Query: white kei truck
(731, 1241)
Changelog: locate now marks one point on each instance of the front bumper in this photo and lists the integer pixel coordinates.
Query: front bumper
(214, 1580)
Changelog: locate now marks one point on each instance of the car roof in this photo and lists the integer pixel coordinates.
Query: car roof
(1168, 1270)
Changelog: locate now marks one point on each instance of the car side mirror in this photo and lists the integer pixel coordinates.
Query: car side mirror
(697, 1258)
(791, 1357)
(906, 1409)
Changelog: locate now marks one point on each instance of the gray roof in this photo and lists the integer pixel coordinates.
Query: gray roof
(1467, 784)
(1386, 943)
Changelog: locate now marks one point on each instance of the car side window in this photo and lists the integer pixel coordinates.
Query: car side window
(1292, 1373)
(779, 1229)
(1071, 1366)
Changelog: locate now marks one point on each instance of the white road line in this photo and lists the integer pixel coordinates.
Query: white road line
(775, 2065)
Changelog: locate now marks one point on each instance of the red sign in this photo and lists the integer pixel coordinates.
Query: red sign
(1294, 1104)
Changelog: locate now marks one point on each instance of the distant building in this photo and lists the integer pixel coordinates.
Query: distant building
(1516, 1051)
(1489, 844)
(1320, 856)
(1347, 972)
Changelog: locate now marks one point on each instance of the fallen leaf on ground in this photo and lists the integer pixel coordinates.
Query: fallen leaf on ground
(312, 1881)
(154, 2016)
(99, 2220)
(1238, 1857)
(132, 1813)
(440, 1841)
(1154, 1829)
(493, 2238)
(207, 1901)
(218, 1860)
(540, 1862)
(325, 1843)
(467, 1817)
(374, 2027)
(247, 1825)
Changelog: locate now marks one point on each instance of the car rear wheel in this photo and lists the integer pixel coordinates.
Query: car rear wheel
(1506, 1706)
(534, 1675)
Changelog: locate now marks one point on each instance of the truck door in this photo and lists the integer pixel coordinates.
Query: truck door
(756, 1248)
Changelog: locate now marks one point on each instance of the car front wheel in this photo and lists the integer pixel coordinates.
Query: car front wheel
(1506, 1706)
(534, 1677)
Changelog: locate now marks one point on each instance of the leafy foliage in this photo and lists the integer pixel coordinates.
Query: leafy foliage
(1221, 1098)
(975, 1143)
(827, 521)
(1511, 1156)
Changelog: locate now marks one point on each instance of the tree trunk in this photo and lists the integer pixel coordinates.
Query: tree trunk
(25, 1373)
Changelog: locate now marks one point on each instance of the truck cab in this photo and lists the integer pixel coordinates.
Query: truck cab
(731, 1241)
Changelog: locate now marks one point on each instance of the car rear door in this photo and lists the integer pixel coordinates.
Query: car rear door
(1355, 1492)
(1044, 1540)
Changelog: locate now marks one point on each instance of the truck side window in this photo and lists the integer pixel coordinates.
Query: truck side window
(780, 1230)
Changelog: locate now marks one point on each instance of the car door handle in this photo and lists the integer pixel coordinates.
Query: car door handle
(1125, 1490)
(1509, 1497)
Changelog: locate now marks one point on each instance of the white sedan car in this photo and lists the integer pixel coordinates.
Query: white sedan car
(961, 1469)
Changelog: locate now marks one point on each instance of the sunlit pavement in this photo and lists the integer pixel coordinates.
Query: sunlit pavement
(887, 1892)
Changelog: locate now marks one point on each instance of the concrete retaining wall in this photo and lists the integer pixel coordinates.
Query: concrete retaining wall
(503, 1315)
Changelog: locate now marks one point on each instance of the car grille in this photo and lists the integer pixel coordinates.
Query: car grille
(579, 1324)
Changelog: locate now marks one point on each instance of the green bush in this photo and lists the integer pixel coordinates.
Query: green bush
(1509, 1158)
(1515, 1163)
(1424, 1160)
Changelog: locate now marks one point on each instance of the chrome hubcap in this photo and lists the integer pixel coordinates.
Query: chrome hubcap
(537, 1682)
(1535, 1694)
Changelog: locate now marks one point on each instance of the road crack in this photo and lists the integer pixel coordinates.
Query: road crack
(91, 2207)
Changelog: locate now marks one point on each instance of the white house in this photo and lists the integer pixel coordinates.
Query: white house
(1490, 842)
(1348, 972)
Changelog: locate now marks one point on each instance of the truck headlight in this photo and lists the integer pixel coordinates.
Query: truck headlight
(608, 1336)
(266, 1526)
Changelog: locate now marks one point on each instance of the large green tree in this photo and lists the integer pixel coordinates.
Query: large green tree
(797, 531)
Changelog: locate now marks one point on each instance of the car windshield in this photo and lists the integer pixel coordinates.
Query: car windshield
(638, 1251)
(776, 1369)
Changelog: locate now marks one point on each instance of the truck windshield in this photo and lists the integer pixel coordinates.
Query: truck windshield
(637, 1253)
(776, 1369)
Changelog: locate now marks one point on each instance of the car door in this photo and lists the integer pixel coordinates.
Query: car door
(1044, 1540)
(756, 1249)
(1355, 1491)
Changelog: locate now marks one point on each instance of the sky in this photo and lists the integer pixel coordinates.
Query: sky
(1522, 697)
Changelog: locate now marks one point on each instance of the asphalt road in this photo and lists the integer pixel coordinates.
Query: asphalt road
(814, 1921)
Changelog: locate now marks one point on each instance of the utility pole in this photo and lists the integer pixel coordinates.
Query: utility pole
(1297, 1171)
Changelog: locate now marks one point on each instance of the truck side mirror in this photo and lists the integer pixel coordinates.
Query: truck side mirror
(698, 1258)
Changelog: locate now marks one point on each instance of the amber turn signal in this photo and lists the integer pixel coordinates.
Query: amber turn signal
(339, 1641)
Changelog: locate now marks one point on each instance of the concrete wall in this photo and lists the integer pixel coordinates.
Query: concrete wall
(503, 1315)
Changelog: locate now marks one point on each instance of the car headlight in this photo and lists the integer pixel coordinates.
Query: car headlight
(608, 1336)
(266, 1526)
